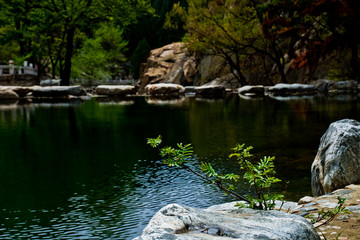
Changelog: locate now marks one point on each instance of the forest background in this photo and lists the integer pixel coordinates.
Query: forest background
(98, 40)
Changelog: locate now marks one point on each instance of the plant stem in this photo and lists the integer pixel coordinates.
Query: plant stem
(217, 183)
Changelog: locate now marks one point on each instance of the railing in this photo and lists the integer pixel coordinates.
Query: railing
(17, 70)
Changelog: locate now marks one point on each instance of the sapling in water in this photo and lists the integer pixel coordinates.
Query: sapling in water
(260, 175)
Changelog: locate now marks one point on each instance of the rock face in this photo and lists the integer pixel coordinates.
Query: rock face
(337, 162)
(115, 90)
(58, 91)
(8, 94)
(284, 89)
(169, 64)
(182, 223)
(164, 89)
(174, 64)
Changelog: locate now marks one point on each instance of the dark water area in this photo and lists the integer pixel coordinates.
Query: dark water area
(84, 171)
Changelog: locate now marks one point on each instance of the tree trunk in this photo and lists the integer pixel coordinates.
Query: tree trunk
(235, 70)
(53, 69)
(66, 73)
(281, 69)
(354, 61)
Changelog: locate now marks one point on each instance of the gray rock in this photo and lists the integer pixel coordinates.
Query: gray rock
(343, 86)
(210, 91)
(257, 90)
(355, 208)
(8, 94)
(322, 85)
(337, 162)
(325, 86)
(58, 91)
(310, 204)
(115, 90)
(184, 223)
(309, 209)
(285, 89)
(50, 82)
(164, 89)
(330, 205)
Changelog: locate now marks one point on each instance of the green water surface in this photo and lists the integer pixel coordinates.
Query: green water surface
(83, 170)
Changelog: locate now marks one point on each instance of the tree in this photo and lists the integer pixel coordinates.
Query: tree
(57, 27)
(226, 28)
(232, 29)
(99, 56)
(313, 29)
(152, 29)
(139, 55)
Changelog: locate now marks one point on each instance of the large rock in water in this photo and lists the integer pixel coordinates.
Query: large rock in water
(115, 90)
(8, 94)
(177, 222)
(285, 89)
(337, 162)
(325, 86)
(164, 89)
(58, 91)
(257, 90)
(19, 90)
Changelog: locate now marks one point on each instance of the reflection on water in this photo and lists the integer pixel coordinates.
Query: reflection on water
(157, 101)
(83, 170)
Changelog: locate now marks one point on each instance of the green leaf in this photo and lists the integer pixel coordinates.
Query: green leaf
(154, 142)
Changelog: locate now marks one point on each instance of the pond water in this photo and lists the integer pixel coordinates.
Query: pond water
(82, 170)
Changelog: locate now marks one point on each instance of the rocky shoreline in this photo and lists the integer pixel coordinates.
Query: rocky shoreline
(221, 221)
(348, 224)
(334, 177)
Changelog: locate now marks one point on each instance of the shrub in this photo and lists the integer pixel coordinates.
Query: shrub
(260, 175)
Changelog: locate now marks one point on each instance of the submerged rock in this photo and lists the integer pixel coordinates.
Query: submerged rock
(182, 223)
(337, 162)
(285, 89)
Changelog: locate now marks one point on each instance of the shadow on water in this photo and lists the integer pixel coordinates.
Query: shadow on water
(83, 169)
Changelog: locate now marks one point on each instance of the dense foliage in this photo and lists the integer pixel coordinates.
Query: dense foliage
(51, 33)
(263, 40)
(260, 40)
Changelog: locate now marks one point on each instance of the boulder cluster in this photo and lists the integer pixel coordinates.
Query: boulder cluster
(19, 92)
